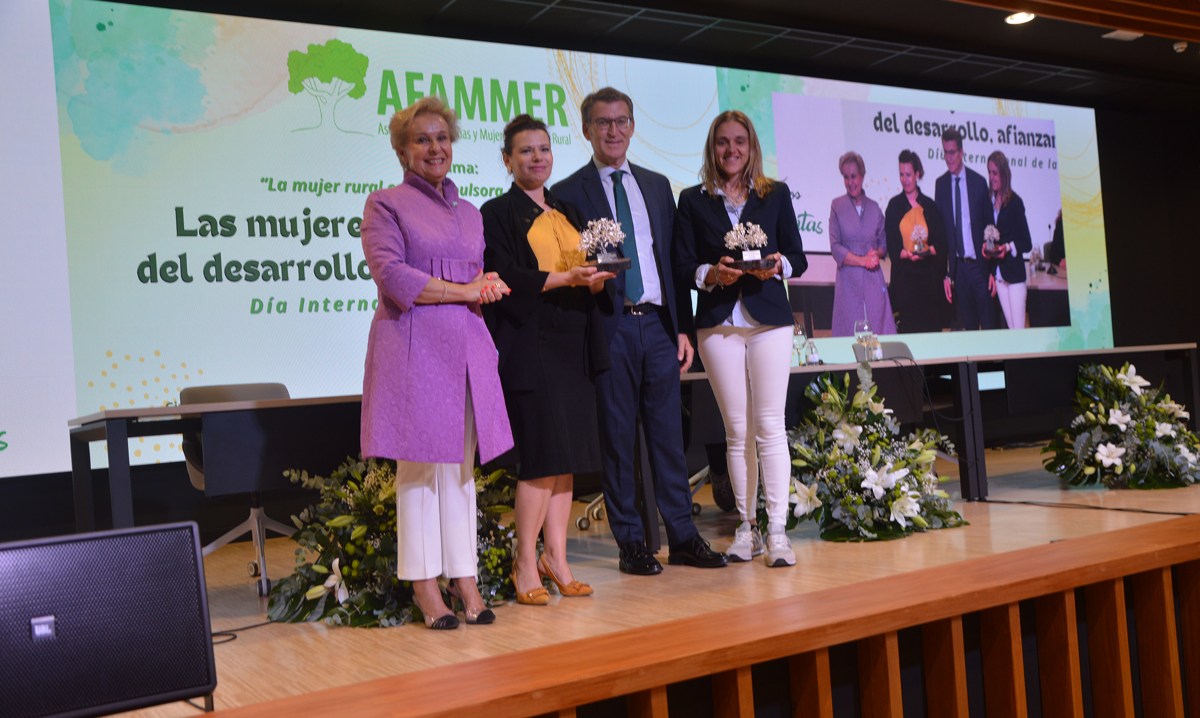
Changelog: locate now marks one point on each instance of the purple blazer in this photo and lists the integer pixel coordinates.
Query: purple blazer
(422, 358)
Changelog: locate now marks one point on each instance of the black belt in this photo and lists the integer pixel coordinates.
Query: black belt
(641, 310)
(968, 259)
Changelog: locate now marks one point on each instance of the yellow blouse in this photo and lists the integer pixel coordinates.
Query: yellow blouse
(555, 242)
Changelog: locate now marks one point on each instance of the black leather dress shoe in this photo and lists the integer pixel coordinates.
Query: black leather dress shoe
(637, 560)
(695, 552)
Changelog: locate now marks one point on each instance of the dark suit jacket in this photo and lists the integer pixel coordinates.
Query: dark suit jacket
(515, 321)
(981, 213)
(700, 227)
(1013, 227)
(583, 189)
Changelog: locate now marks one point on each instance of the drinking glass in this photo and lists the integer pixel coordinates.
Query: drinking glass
(862, 329)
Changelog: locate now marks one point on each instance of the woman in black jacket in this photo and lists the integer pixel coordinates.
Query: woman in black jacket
(551, 345)
(917, 276)
(1008, 217)
(743, 319)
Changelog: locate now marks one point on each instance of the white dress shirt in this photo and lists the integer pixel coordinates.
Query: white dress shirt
(643, 235)
(968, 238)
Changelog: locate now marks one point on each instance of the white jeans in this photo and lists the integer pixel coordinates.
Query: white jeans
(1012, 301)
(748, 370)
(436, 526)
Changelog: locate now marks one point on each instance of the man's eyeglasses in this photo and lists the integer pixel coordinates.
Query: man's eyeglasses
(622, 123)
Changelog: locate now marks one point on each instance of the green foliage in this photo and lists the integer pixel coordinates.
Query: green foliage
(856, 476)
(335, 60)
(1124, 435)
(346, 564)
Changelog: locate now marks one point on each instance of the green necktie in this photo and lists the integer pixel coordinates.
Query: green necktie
(633, 276)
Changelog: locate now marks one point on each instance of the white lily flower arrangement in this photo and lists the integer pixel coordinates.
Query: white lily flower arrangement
(857, 475)
(345, 571)
(1125, 434)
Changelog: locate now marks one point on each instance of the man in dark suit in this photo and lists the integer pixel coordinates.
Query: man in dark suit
(962, 196)
(648, 344)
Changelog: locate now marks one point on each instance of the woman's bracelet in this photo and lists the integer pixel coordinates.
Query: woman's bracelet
(445, 285)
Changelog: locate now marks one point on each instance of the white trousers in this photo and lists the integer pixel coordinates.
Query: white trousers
(1012, 302)
(748, 370)
(436, 526)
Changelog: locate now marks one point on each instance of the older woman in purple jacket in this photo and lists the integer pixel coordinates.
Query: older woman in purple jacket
(431, 392)
(858, 245)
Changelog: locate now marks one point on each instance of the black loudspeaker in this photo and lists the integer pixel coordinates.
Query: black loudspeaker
(104, 622)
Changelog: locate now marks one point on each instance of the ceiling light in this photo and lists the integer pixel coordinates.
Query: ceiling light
(1019, 18)
(1122, 35)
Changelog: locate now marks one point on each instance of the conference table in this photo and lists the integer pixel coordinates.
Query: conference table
(1047, 304)
(254, 441)
(246, 445)
(1034, 382)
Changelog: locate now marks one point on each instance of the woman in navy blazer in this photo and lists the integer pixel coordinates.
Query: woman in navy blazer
(1008, 216)
(744, 320)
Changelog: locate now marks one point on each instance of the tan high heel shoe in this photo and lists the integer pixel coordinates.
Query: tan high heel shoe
(537, 597)
(574, 588)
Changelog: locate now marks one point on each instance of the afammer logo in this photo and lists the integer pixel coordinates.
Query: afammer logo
(329, 73)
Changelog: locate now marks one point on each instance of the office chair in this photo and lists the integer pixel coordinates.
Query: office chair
(257, 523)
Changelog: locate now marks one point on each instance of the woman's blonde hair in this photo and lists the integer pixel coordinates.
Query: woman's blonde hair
(997, 158)
(855, 159)
(400, 127)
(752, 174)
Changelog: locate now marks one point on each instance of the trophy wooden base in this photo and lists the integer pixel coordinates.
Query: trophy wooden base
(618, 264)
(747, 265)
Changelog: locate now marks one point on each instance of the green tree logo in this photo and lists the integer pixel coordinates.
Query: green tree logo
(329, 73)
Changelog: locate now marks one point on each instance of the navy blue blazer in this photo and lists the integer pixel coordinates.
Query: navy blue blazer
(981, 213)
(583, 189)
(700, 227)
(1013, 227)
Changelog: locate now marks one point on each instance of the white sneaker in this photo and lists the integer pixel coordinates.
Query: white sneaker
(779, 551)
(747, 543)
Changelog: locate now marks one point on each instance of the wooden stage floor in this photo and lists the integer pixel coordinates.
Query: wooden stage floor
(1026, 508)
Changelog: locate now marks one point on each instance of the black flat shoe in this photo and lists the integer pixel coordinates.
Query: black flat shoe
(636, 559)
(695, 552)
(483, 618)
(442, 623)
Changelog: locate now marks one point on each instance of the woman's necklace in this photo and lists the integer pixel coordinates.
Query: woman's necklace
(735, 195)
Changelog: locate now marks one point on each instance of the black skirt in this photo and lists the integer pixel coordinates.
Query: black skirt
(554, 425)
(919, 297)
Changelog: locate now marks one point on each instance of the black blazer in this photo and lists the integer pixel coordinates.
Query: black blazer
(583, 189)
(981, 213)
(1013, 227)
(515, 321)
(700, 227)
